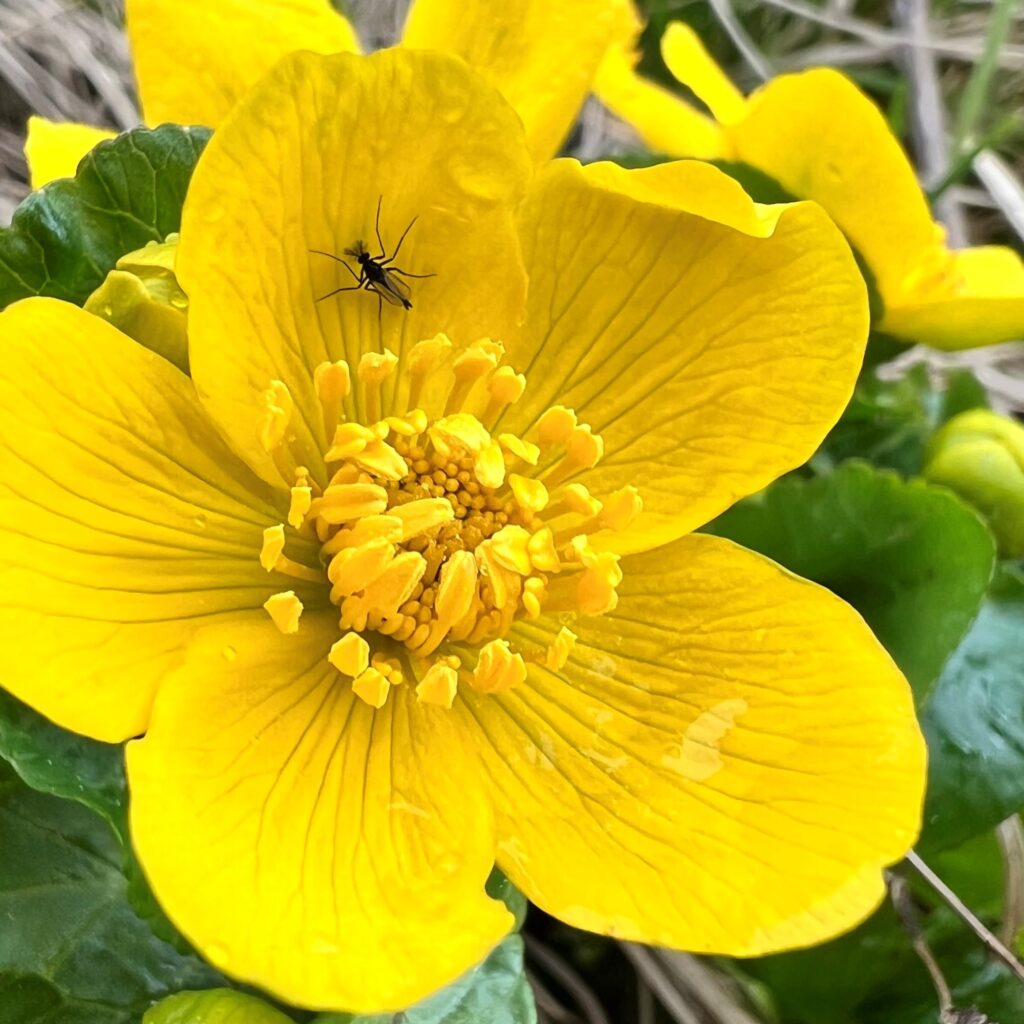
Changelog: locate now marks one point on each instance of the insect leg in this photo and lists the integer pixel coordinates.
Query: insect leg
(394, 255)
(348, 288)
(337, 259)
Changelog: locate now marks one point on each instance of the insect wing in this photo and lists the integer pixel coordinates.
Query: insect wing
(391, 289)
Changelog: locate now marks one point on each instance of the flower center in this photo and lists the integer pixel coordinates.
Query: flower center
(434, 535)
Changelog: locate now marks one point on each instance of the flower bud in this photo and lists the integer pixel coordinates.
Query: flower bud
(142, 299)
(980, 455)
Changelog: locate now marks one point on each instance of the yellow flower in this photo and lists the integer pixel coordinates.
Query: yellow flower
(357, 579)
(821, 138)
(194, 61)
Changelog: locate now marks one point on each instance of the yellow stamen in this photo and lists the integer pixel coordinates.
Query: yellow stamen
(459, 431)
(273, 546)
(542, 552)
(498, 669)
(333, 382)
(350, 655)
(489, 466)
(533, 596)
(285, 609)
(574, 498)
(409, 425)
(457, 588)
(555, 426)
(420, 516)
(354, 569)
(302, 498)
(388, 527)
(477, 361)
(349, 439)
(558, 653)
(529, 493)
(379, 459)
(374, 368)
(439, 685)
(423, 358)
(517, 448)
(395, 585)
(621, 508)
(583, 450)
(372, 687)
(505, 388)
(341, 502)
(511, 549)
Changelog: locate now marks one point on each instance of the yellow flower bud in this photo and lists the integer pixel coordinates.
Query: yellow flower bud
(142, 298)
(980, 455)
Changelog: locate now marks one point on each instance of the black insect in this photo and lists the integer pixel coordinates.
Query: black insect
(377, 274)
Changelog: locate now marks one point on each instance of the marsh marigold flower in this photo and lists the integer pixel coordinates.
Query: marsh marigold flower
(195, 59)
(395, 596)
(819, 137)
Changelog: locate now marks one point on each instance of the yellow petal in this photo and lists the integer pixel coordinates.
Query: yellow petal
(301, 165)
(54, 150)
(125, 520)
(821, 138)
(665, 122)
(195, 61)
(542, 56)
(331, 854)
(725, 764)
(979, 302)
(689, 61)
(711, 342)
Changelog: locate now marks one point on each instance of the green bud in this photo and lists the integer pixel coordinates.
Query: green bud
(217, 1006)
(143, 299)
(980, 455)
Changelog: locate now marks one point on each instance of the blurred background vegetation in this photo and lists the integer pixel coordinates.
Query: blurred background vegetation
(950, 76)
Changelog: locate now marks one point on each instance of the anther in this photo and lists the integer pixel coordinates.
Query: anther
(350, 655)
(517, 448)
(374, 368)
(423, 358)
(505, 388)
(284, 609)
(529, 493)
(372, 686)
(301, 499)
(555, 425)
(342, 502)
(470, 366)
(439, 685)
(498, 669)
(561, 647)
(332, 382)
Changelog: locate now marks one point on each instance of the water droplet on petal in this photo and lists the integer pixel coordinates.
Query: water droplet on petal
(200, 521)
(229, 653)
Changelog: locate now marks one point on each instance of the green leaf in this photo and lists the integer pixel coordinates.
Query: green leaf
(974, 723)
(500, 888)
(65, 238)
(52, 760)
(913, 559)
(889, 422)
(71, 949)
(220, 1006)
(496, 992)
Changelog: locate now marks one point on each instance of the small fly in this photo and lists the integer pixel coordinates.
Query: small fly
(377, 274)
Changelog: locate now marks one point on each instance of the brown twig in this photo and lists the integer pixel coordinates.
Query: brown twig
(950, 898)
